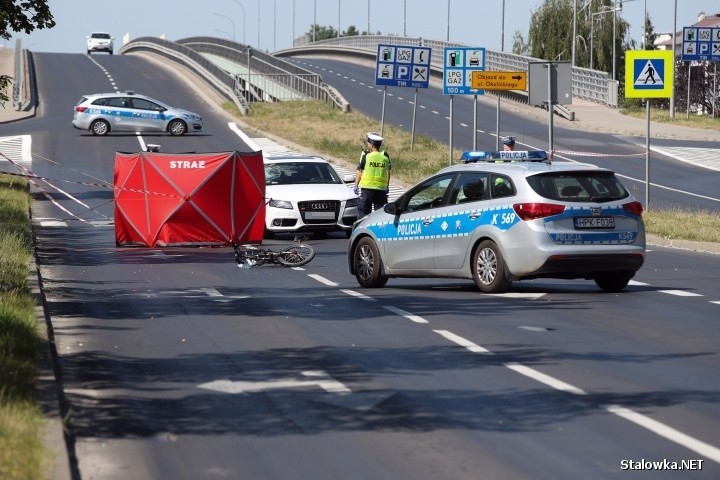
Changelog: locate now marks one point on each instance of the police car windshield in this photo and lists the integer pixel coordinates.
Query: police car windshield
(580, 186)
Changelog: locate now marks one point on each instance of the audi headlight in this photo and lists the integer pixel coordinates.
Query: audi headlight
(281, 204)
(353, 202)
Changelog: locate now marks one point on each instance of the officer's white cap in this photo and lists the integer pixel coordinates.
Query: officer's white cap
(374, 138)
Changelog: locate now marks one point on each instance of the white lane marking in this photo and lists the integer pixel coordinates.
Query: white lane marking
(704, 449)
(143, 147)
(533, 296)
(680, 293)
(546, 379)
(52, 223)
(212, 292)
(473, 347)
(405, 314)
(323, 280)
(638, 284)
(317, 378)
(362, 296)
(436, 112)
(463, 124)
(716, 302)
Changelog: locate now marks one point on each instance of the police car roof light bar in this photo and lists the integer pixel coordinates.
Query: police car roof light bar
(505, 156)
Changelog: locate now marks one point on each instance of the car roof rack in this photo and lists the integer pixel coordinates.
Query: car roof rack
(494, 156)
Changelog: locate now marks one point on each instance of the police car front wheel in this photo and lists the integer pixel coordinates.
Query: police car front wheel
(177, 127)
(368, 265)
(488, 268)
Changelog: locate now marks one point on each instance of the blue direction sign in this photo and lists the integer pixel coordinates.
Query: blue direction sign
(701, 44)
(459, 63)
(403, 66)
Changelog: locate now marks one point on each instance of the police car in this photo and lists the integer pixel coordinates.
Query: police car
(102, 113)
(500, 217)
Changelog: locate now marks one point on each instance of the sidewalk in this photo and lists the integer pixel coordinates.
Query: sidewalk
(7, 67)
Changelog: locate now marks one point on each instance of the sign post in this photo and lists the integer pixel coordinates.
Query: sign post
(649, 74)
(551, 84)
(402, 66)
(458, 65)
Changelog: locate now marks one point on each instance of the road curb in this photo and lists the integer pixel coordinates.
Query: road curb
(706, 247)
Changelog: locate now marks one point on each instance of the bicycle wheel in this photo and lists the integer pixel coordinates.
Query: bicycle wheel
(296, 255)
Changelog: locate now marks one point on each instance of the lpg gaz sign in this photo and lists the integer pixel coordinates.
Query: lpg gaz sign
(403, 66)
(459, 63)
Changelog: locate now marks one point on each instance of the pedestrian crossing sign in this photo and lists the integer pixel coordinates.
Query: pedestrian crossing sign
(649, 73)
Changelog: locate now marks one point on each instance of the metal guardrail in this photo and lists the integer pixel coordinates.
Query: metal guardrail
(18, 94)
(220, 80)
(268, 72)
(587, 84)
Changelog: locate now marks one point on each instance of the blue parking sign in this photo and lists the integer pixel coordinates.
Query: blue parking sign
(403, 66)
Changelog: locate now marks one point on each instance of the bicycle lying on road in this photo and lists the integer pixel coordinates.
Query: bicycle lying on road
(249, 255)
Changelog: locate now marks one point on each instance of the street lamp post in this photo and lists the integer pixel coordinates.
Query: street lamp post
(448, 22)
(603, 10)
(672, 94)
(242, 7)
(229, 20)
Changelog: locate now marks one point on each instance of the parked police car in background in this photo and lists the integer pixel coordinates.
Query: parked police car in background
(99, 42)
(102, 113)
(501, 217)
(307, 195)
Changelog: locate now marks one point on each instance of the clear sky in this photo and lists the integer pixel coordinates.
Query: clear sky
(270, 24)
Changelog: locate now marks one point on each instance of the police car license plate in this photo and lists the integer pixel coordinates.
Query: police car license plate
(582, 223)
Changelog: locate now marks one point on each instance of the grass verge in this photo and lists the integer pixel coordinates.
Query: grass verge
(21, 449)
(329, 131)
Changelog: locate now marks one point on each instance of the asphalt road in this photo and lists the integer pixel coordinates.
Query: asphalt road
(175, 364)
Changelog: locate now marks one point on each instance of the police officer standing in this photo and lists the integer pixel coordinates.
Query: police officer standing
(372, 176)
(508, 144)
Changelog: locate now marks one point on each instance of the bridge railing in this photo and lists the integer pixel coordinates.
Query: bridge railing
(220, 80)
(587, 84)
(267, 78)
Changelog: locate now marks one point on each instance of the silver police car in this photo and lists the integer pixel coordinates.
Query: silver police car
(501, 217)
(102, 113)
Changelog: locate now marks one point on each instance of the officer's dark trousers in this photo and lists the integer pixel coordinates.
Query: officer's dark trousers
(370, 199)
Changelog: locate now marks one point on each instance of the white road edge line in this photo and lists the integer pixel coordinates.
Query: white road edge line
(242, 135)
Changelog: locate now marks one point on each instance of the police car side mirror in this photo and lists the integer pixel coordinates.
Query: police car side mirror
(391, 208)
